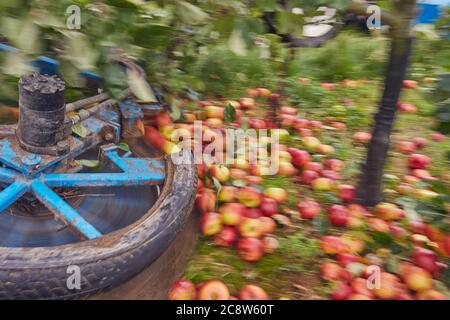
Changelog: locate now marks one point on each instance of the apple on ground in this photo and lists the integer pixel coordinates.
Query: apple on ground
(252, 292)
(431, 295)
(360, 286)
(311, 143)
(253, 213)
(278, 194)
(286, 169)
(418, 279)
(250, 227)
(322, 184)
(410, 84)
(331, 244)
(299, 157)
(346, 193)
(341, 291)
(338, 215)
(182, 290)
(214, 112)
(425, 259)
(334, 164)
(331, 271)
(362, 137)
(269, 207)
(257, 123)
(247, 103)
(389, 288)
(420, 142)
(344, 258)
(314, 166)
(406, 147)
(304, 132)
(288, 110)
(378, 225)
(268, 225)
(407, 107)
(249, 196)
(232, 213)
(388, 211)
(308, 209)
(438, 137)
(206, 200)
(358, 211)
(227, 194)
(308, 176)
(213, 290)
(226, 237)
(264, 92)
(210, 223)
(270, 244)
(418, 161)
(250, 249)
(301, 123)
(325, 149)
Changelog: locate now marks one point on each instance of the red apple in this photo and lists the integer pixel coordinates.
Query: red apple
(250, 227)
(304, 132)
(301, 123)
(226, 237)
(416, 226)
(314, 166)
(357, 211)
(253, 213)
(250, 249)
(220, 172)
(210, 223)
(362, 137)
(420, 142)
(308, 176)
(247, 103)
(341, 291)
(214, 290)
(331, 271)
(249, 196)
(431, 295)
(308, 209)
(182, 290)
(227, 194)
(288, 110)
(410, 84)
(268, 207)
(277, 194)
(153, 137)
(232, 213)
(206, 200)
(330, 174)
(437, 137)
(388, 211)
(331, 244)
(286, 169)
(406, 147)
(268, 225)
(378, 225)
(407, 107)
(418, 279)
(252, 292)
(389, 288)
(425, 259)
(322, 184)
(163, 119)
(346, 193)
(328, 86)
(264, 92)
(311, 143)
(360, 286)
(299, 157)
(338, 215)
(334, 164)
(257, 124)
(287, 120)
(346, 258)
(418, 161)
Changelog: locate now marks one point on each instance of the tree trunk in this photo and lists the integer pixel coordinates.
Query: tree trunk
(370, 184)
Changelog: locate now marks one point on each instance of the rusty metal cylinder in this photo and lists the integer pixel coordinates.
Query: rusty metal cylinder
(42, 114)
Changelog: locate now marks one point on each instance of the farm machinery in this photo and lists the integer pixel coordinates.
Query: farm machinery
(58, 214)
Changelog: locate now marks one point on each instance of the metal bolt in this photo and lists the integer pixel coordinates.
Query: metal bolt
(109, 137)
(31, 159)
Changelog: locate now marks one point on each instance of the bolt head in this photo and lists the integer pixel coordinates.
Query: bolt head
(31, 159)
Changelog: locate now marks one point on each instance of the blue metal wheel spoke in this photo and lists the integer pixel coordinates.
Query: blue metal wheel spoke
(78, 180)
(7, 175)
(11, 193)
(63, 210)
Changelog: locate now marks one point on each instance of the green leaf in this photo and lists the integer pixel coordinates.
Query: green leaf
(151, 36)
(88, 163)
(267, 5)
(80, 130)
(236, 43)
(229, 114)
(321, 224)
(140, 87)
(216, 184)
(191, 14)
(176, 112)
(123, 146)
(239, 183)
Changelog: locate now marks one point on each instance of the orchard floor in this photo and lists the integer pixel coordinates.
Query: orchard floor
(293, 270)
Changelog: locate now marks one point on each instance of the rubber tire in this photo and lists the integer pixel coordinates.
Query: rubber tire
(41, 273)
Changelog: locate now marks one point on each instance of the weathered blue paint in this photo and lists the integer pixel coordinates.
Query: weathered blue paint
(11, 193)
(63, 210)
(46, 65)
(7, 175)
(7, 48)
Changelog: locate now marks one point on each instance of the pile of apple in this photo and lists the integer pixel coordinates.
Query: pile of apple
(243, 215)
(213, 290)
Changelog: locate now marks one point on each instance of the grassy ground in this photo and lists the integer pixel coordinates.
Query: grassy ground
(292, 271)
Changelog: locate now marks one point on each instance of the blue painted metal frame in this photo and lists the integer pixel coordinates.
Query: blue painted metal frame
(136, 171)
